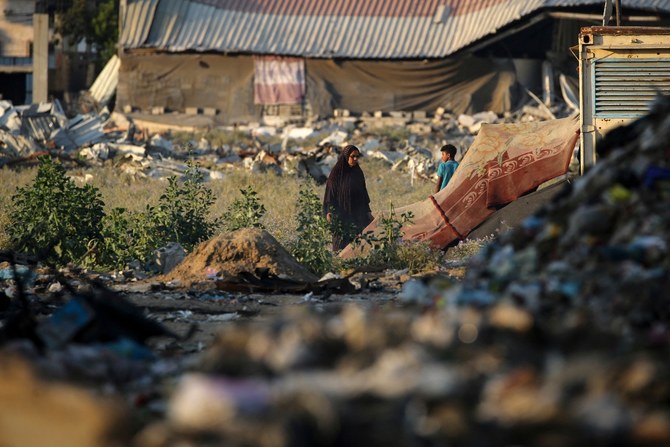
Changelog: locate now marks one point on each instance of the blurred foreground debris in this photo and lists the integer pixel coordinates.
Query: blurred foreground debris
(37, 412)
(467, 377)
(75, 313)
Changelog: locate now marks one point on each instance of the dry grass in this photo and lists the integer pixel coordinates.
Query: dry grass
(279, 194)
(10, 180)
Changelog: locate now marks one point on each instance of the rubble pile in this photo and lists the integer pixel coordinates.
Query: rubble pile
(373, 377)
(408, 143)
(600, 245)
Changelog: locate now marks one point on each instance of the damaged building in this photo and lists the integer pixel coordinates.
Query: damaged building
(239, 61)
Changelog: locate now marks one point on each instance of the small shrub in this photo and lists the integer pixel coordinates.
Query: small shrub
(53, 218)
(387, 249)
(384, 243)
(180, 216)
(418, 256)
(246, 212)
(127, 236)
(182, 211)
(311, 247)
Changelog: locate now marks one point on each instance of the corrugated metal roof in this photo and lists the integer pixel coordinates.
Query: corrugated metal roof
(358, 29)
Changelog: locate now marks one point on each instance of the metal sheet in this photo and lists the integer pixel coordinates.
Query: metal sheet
(104, 86)
(373, 29)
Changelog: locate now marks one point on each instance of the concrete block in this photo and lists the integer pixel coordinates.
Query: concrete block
(157, 110)
(341, 113)
(378, 114)
(168, 257)
(395, 121)
(192, 110)
(419, 115)
(275, 121)
(127, 109)
(210, 111)
(419, 128)
(397, 114)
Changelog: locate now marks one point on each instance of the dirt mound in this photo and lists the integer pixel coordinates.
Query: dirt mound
(244, 250)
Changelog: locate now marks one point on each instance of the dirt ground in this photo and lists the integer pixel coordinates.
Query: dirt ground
(199, 315)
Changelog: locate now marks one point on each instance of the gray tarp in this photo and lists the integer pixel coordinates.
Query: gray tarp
(177, 81)
(463, 86)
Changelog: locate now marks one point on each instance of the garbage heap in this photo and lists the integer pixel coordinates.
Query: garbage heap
(600, 246)
(558, 336)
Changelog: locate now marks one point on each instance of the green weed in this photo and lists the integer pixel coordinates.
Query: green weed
(385, 246)
(53, 218)
(182, 211)
(244, 212)
(311, 247)
(131, 232)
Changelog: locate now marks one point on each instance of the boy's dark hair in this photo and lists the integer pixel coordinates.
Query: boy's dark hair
(449, 148)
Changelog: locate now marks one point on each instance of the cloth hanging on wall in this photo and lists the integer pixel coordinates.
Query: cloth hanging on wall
(279, 80)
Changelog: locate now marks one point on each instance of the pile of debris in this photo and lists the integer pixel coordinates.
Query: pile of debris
(601, 244)
(408, 142)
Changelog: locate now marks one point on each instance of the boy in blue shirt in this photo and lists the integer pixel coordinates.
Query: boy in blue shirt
(447, 167)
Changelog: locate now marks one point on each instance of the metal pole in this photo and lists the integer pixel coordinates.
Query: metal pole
(618, 12)
(607, 13)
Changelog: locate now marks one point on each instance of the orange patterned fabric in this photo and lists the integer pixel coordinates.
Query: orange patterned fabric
(504, 162)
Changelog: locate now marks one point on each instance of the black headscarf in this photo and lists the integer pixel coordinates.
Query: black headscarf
(346, 194)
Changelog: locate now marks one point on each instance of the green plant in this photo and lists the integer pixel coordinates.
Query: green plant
(313, 234)
(126, 236)
(93, 20)
(418, 256)
(53, 218)
(246, 212)
(384, 243)
(385, 246)
(182, 211)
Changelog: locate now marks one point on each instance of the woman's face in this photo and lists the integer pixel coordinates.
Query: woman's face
(353, 158)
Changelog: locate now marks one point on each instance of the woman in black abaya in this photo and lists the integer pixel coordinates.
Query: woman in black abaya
(346, 202)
